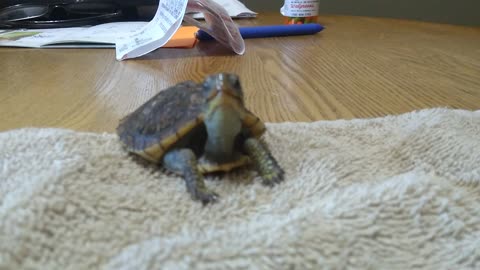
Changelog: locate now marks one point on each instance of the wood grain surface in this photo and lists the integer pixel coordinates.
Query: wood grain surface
(357, 67)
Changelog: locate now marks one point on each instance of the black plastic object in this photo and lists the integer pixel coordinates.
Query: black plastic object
(67, 13)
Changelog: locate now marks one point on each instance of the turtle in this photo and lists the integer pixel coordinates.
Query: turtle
(194, 129)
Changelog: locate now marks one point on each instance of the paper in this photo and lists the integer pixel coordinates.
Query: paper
(99, 36)
(234, 8)
(156, 33)
(103, 35)
(168, 19)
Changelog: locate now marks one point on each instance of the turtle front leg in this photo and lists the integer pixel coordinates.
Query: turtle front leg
(184, 162)
(263, 160)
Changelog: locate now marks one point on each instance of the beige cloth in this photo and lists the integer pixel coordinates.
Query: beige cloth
(399, 192)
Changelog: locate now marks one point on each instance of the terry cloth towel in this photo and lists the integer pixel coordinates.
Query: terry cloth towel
(397, 192)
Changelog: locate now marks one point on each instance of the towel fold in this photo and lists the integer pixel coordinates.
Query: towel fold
(397, 192)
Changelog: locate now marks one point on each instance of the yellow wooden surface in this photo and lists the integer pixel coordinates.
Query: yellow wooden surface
(356, 68)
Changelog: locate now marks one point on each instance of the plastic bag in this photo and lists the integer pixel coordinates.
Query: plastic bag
(218, 24)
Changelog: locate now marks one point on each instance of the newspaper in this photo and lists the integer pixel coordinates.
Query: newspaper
(98, 36)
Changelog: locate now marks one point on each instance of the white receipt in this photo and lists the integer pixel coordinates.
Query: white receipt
(234, 8)
(156, 33)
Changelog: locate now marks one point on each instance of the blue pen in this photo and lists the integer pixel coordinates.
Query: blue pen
(271, 31)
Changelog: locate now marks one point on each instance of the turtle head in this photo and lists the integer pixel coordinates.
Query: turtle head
(223, 114)
(223, 86)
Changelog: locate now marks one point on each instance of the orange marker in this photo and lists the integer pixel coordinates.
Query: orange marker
(183, 38)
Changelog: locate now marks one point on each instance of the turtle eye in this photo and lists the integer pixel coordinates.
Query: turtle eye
(236, 84)
(211, 93)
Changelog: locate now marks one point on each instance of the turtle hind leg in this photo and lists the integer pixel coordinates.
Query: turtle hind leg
(267, 166)
(184, 162)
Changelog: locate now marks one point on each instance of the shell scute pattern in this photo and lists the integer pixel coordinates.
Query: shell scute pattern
(162, 116)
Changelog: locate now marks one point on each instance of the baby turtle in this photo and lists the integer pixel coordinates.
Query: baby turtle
(197, 128)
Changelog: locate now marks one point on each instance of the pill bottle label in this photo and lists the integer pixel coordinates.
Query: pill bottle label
(300, 11)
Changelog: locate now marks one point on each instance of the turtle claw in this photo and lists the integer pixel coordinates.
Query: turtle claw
(184, 162)
(273, 178)
(204, 195)
(268, 168)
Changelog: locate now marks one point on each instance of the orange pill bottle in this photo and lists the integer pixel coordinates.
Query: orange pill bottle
(300, 11)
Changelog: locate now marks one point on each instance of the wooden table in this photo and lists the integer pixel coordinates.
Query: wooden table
(357, 67)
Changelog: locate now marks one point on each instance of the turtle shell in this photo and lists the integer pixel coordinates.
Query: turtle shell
(159, 123)
(167, 117)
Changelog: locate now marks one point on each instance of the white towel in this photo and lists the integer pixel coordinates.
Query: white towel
(397, 192)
